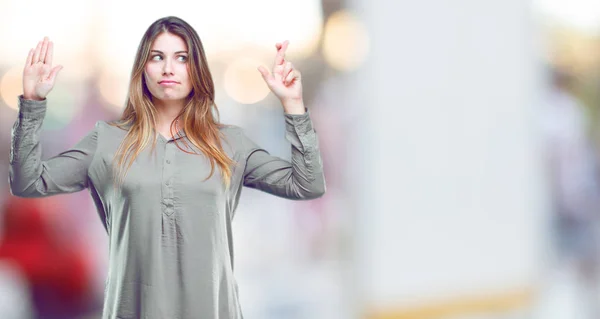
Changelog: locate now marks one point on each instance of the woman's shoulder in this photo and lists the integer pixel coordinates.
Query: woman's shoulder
(114, 128)
(116, 125)
(235, 135)
(231, 130)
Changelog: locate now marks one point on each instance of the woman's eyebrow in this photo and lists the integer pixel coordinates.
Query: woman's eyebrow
(163, 53)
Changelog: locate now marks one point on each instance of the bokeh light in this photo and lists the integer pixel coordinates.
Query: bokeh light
(113, 88)
(345, 41)
(11, 86)
(243, 82)
(62, 106)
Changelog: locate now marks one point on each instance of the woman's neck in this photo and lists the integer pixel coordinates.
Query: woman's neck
(167, 111)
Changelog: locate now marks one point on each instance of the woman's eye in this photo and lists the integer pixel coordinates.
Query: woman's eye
(181, 58)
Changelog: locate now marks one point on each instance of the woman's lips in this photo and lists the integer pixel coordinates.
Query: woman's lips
(168, 83)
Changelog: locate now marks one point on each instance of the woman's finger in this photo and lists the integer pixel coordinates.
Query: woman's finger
(36, 54)
(280, 57)
(50, 53)
(29, 58)
(265, 74)
(54, 73)
(288, 67)
(44, 50)
(288, 79)
(294, 75)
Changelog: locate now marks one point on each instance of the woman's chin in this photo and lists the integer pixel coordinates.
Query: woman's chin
(171, 97)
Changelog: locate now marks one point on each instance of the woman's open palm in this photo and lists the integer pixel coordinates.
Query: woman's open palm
(39, 75)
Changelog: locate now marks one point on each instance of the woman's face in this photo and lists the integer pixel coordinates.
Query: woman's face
(166, 72)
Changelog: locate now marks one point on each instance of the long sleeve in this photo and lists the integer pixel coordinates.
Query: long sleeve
(29, 175)
(302, 178)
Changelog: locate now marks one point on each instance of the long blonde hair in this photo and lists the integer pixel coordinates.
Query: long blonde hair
(199, 124)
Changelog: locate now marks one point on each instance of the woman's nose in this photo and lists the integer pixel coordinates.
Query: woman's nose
(167, 68)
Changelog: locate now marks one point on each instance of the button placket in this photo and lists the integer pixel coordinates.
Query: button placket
(167, 180)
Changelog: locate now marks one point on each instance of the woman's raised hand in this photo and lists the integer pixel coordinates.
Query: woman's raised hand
(38, 74)
(284, 80)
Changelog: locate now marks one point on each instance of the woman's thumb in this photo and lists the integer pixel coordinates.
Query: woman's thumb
(265, 73)
(54, 72)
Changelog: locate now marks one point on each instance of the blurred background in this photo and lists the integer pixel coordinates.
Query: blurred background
(461, 144)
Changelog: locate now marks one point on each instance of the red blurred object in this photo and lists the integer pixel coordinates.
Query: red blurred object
(58, 272)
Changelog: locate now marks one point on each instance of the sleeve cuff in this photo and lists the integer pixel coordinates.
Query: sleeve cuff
(299, 123)
(32, 109)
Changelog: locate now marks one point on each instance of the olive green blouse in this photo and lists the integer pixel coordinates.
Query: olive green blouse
(170, 237)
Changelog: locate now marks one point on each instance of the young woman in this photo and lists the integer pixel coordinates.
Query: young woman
(167, 176)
